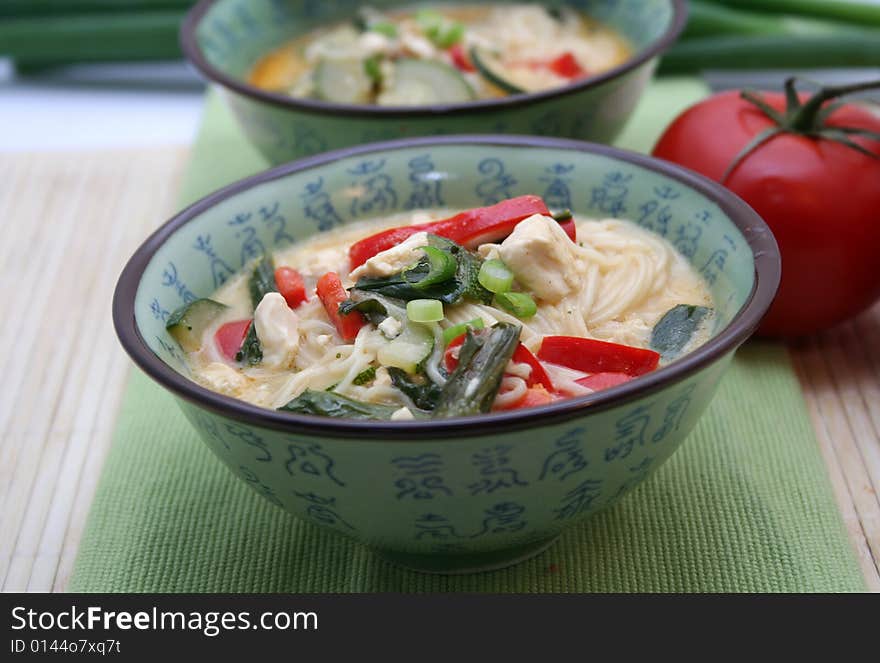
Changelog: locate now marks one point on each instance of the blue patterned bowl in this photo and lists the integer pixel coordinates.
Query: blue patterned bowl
(225, 38)
(468, 493)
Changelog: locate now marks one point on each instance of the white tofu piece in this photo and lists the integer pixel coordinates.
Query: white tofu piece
(277, 327)
(393, 260)
(403, 414)
(543, 258)
(391, 327)
(489, 251)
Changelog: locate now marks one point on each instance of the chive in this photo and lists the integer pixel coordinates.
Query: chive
(518, 303)
(384, 28)
(452, 333)
(424, 310)
(66, 39)
(495, 276)
(563, 216)
(855, 48)
(706, 19)
(862, 12)
(442, 267)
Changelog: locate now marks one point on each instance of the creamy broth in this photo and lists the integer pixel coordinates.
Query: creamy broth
(444, 54)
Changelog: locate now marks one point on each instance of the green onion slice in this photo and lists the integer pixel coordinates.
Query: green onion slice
(424, 310)
(518, 303)
(495, 276)
(452, 333)
(441, 268)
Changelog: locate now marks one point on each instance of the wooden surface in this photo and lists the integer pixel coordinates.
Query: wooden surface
(56, 418)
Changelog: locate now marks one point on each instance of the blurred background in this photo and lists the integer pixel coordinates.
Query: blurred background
(100, 73)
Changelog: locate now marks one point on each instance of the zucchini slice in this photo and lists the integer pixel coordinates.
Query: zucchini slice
(187, 325)
(424, 82)
(409, 349)
(491, 69)
(343, 82)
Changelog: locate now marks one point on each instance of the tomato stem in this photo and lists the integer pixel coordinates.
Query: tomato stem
(806, 119)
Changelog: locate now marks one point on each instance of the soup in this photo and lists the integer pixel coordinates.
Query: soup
(438, 314)
(445, 55)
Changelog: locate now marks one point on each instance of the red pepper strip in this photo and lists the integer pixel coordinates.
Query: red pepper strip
(230, 336)
(538, 376)
(598, 381)
(570, 228)
(460, 58)
(592, 356)
(522, 355)
(533, 397)
(332, 294)
(567, 66)
(291, 286)
(469, 228)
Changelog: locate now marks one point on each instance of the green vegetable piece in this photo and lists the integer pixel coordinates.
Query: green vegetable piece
(424, 310)
(262, 280)
(482, 360)
(365, 376)
(384, 28)
(330, 404)
(517, 303)
(452, 333)
(250, 352)
(563, 216)
(422, 82)
(187, 324)
(492, 70)
(446, 272)
(677, 326)
(408, 350)
(449, 36)
(422, 392)
(343, 82)
(495, 276)
(374, 71)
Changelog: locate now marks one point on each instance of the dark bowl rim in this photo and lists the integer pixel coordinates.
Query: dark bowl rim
(757, 234)
(190, 47)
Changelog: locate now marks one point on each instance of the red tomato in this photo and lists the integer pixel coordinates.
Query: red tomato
(291, 286)
(567, 66)
(820, 197)
(230, 336)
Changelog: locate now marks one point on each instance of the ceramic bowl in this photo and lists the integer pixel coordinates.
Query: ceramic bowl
(468, 493)
(224, 38)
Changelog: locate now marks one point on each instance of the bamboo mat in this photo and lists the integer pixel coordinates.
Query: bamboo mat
(70, 220)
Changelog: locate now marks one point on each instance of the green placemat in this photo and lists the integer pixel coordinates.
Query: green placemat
(744, 505)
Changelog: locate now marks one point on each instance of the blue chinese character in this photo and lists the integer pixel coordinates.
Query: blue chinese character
(493, 466)
(310, 459)
(419, 477)
(567, 458)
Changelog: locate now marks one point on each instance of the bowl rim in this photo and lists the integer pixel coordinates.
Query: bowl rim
(193, 52)
(765, 255)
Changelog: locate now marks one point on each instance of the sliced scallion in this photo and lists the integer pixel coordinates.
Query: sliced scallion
(384, 28)
(495, 276)
(517, 303)
(452, 333)
(424, 310)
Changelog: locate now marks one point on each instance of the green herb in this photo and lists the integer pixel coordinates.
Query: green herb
(373, 69)
(329, 404)
(250, 352)
(262, 280)
(385, 28)
(517, 303)
(495, 276)
(422, 392)
(677, 326)
(452, 333)
(482, 360)
(365, 376)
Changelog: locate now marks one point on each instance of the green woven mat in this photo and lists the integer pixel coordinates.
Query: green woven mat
(744, 505)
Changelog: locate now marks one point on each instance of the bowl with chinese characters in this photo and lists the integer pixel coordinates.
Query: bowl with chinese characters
(224, 39)
(467, 493)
